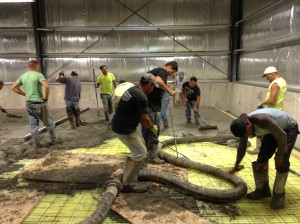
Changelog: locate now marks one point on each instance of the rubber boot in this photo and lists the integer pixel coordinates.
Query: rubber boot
(130, 176)
(52, 137)
(261, 178)
(257, 149)
(166, 124)
(188, 120)
(153, 155)
(77, 117)
(277, 201)
(106, 116)
(197, 121)
(71, 117)
(35, 140)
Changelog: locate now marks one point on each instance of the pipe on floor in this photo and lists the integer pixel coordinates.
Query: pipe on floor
(58, 122)
(113, 188)
(198, 192)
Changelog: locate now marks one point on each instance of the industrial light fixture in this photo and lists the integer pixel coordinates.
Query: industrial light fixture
(14, 1)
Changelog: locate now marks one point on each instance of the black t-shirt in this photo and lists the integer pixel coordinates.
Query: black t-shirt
(191, 93)
(154, 98)
(129, 111)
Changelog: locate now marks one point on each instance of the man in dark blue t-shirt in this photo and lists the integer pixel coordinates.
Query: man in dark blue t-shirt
(191, 96)
(154, 107)
(132, 110)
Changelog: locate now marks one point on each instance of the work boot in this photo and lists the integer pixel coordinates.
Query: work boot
(53, 139)
(165, 121)
(36, 141)
(188, 120)
(77, 120)
(77, 117)
(106, 116)
(130, 176)
(257, 149)
(261, 178)
(277, 201)
(71, 117)
(153, 155)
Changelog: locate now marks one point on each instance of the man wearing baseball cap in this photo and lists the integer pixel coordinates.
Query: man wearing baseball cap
(72, 96)
(274, 97)
(154, 107)
(132, 110)
(278, 131)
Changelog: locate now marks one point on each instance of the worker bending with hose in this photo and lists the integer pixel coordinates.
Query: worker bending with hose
(132, 110)
(154, 107)
(279, 131)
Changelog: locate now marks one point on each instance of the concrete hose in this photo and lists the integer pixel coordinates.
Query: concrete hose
(198, 192)
(113, 188)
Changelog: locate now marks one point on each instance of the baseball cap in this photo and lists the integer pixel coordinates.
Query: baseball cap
(269, 70)
(148, 77)
(238, 126)
(74, 72)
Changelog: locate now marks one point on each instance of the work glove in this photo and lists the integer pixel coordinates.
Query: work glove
(154, 129)
(260, 106)
(236, 169)
(278, 161)
(3, 110)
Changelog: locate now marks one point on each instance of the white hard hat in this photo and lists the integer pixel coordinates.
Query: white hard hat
(268, 70)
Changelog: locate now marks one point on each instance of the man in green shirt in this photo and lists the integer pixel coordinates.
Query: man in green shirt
(34, 82)
(106, 81)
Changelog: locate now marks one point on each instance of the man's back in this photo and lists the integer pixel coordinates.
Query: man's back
(32, 81)
(130, 108)
(73, 88)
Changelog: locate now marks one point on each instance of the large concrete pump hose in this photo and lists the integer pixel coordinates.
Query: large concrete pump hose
(198, 192)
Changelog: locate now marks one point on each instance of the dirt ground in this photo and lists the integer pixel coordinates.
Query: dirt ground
(13, 147)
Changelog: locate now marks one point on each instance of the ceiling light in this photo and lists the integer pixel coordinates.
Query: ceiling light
(13, 1)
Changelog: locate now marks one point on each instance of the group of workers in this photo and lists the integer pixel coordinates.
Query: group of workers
(276, 131)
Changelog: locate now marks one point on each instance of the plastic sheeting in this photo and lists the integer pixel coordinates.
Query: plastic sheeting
(280, 24)
(81, 14)
(131, 69)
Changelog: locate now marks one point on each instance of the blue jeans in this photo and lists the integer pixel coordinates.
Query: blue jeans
(149, 137)
(164, 105)
(35, 115)
(107, 103)
(136, 145)
(73, 104)
(188, 107)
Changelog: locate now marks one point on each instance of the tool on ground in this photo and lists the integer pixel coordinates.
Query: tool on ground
(294, 172)
(45, 113)
(9, 114)
(207, 126)
(173, 130)
(94, 75)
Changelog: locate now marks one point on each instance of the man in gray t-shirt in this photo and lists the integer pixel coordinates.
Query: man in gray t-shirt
(72, 96)
(278, 131)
